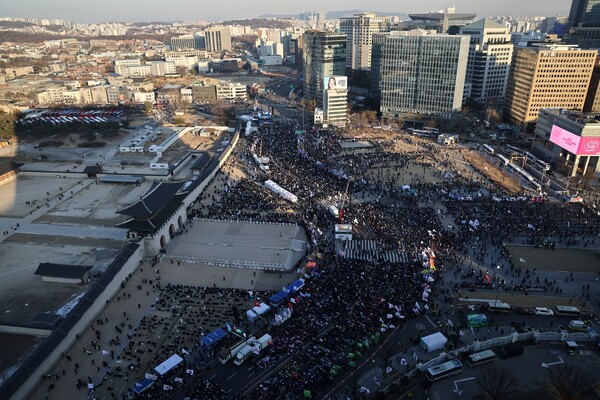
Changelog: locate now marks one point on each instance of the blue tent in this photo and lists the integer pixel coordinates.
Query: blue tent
(294, 287)
(277, 298)
(212, 338)
(143, 385)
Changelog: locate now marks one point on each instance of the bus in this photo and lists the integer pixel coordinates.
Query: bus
(440, 371)
(488, 149)
(544, 166)
(480, 358)
(514, 149)
(499, 307)
(568, 310)
(431, 130)
(503, 159)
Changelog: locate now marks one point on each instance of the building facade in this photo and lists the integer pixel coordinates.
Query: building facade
(218, 38)
(570, 141)
(203, 93)
(546, 76)
(324, 55)
(359, 31)
(490, 54)
(419, 72)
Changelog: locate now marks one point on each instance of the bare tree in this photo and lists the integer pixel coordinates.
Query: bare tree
(497, 383)
(572, 383)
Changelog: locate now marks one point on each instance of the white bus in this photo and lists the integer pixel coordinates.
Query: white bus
(514, 149)
(497, 306)
(568, 310)
(503, 159)
(440, 371)
(480, 358)
(431, 130)
(488, 149)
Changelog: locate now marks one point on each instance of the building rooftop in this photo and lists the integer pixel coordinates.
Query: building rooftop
(484, 23)
(62, 270)
(576, 116)
(438, 16)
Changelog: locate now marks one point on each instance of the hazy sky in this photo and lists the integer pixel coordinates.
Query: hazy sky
(173, 10)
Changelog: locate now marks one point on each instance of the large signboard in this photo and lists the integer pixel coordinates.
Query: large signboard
(589, 146)
(335, 82)
(579, 145)
(565, 139)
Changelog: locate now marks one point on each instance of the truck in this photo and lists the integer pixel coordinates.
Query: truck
(228, 352)
(254, 348)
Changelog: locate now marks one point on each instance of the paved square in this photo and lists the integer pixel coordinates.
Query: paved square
(241, 244)
(560, 259)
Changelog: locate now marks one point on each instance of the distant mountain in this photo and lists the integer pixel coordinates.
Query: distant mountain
(350, 13)
(339, 14)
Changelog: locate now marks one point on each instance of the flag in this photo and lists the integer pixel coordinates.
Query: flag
(522, 259)
(184, 351)
(364, 390)
(167, 387)
(403, 362)
(388, 370)
(189, 372)
(487, 277)
(376, 381)
(256, 303)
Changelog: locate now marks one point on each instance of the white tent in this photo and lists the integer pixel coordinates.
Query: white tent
(253, 313)
(433, 342)
(169, 364)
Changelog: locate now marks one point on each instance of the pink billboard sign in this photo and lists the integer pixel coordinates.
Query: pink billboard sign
(565, 139)
(589, 146)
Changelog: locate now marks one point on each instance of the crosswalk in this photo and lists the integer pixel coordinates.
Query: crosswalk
(371, 250)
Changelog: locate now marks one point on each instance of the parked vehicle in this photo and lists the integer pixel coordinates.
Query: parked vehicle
(543, 311)
(523, 310)
(228, 352)
(577, 326)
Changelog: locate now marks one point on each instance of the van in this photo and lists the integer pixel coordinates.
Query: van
(577, 326)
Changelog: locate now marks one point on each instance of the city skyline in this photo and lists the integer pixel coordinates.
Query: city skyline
(180, 10)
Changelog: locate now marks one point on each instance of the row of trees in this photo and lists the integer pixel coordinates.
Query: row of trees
(570, 383)
(8, 124)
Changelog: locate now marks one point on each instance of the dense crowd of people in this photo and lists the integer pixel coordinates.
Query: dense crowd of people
(358, 302)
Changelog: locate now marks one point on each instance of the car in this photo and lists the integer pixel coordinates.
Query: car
(523, 310)
(543, 311)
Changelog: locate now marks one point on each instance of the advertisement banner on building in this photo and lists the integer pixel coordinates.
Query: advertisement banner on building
(589, 146)
(565, 139)
(335, 82)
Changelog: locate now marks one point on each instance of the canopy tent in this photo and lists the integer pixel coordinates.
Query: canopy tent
(212, 338)
(433, 342)
(277, 298)
(143, 385)
(254, 312)
(294, 287)
(169, 364)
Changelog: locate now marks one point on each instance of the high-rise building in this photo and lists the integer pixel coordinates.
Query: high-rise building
(546, 75)
(419, 72)
(218, 38)
(584, 24)
(490, 54)
(359, 31)
(324, 55)
(585, 13)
